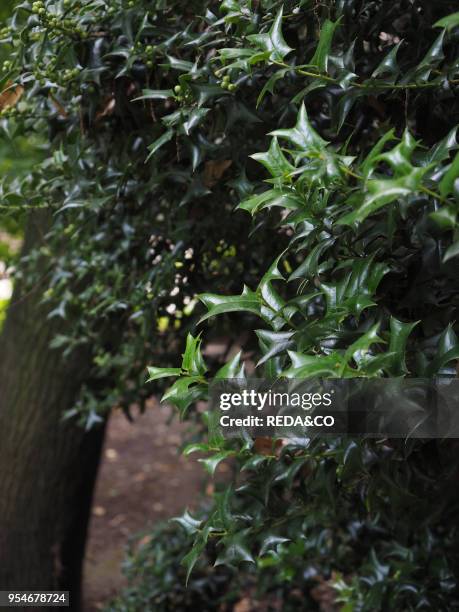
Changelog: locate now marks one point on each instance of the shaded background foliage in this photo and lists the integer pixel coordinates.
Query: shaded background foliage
(370, 237)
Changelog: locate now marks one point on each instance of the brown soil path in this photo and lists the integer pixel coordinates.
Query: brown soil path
(143, 479)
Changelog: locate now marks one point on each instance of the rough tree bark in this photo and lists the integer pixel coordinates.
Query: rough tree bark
(47, 467)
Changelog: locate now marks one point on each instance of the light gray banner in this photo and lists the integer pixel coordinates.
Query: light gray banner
(388, 407)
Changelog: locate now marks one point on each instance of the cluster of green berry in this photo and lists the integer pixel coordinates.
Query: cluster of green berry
(47, 70)
(70, 73)
(147, 52)
(38, 8)
(11, 111)
(7, 65)
(4, 32)
(182, 95)
(226, 83)
(55, 23)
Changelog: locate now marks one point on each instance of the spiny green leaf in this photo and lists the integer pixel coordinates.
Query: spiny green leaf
(443, 360)
(190, 559)
(399, 333)
(445, 218)
(452, 251)
(270, 198)
(306, 366)
(273, 42)
(389, 64)
(232, 369)
(270, 542)
(218, 304)
(184, 392)
(399, 158)
(449, 178)
(322, 52)
(155, 94)
(193, 362)
(450, 21)
(157, 373)
(190, 524)
(362, 344)
(274, 160)
(157, 144)
(273, 343)
(303, 134)
(369, 164)
(211, 463)
(381, 192)
(235, 550)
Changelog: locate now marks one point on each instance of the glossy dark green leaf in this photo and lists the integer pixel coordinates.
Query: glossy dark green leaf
(193, 362)
(384, 191)
(450, 21)
(449, 178)
(303, 134)
(273, 42)
(399, 333)
(218, 304)
(211, 463)
(157, 373)
(322, 52)
(190, 524)
(274, 160)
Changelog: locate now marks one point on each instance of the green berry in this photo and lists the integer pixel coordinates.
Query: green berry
(232, 87)
(177, 89)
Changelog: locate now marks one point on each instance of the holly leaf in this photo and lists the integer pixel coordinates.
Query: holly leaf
(274, 160)
(248, 301)
(303, 134)
(157, 373)
(193, 362)
(450, 21)
(190, 524)
(322, 52)
(381, 192)
(272, 43)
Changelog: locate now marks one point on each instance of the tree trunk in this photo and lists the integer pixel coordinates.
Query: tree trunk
(47, 466)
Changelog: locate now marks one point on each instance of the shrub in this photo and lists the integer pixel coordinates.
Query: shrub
(312, 118)
(130, 242)
(365, 288)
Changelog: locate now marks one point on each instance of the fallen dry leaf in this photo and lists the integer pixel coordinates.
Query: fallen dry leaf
(267, 446)
(11, 95)
(108, 109)
(244, 605)
(324, 594)
(214, 170)
(58, 106)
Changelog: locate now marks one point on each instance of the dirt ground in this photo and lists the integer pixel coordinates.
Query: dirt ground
(143, 479)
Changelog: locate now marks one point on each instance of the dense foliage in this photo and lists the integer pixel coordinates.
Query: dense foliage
(334, 125)
(366, 287)
(129, 242)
